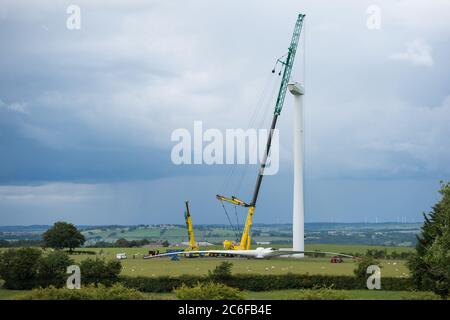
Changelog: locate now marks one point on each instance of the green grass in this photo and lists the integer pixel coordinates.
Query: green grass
(200, 266)
(350, 248)
(340, 248)
(11, 294)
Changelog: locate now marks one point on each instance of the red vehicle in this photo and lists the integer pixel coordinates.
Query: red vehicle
(336, 259)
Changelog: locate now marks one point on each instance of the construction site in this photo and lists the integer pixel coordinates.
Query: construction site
(241, 246)
(226, 151)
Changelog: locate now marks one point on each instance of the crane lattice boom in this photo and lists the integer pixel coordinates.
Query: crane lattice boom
(287, 64)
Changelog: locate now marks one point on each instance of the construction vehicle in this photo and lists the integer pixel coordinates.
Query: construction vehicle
(151, 253)
(192, 243)
(121, 256)
(187, 216)
(286, 62)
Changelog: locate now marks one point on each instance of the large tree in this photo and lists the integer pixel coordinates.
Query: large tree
(63, 235)
(430, 266)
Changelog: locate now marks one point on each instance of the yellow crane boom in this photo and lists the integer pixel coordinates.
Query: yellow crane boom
(187, 216)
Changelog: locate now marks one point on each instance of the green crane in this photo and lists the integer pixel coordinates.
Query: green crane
(287, 63)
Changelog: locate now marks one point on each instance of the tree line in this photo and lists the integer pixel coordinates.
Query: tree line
(124, 243)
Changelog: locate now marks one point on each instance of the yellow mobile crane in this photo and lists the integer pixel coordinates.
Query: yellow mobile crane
(287, 64)
(187, 216)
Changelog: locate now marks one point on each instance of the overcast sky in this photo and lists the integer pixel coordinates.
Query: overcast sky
(86, 115)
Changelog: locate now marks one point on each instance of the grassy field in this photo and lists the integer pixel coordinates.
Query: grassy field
(10, 294)
(341, 248)
(200, 266)
(350, 248)
(283, 295)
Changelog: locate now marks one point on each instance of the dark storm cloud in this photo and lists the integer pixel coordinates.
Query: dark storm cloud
(91, 109)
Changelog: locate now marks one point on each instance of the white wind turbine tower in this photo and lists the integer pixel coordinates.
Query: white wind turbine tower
(298, 212)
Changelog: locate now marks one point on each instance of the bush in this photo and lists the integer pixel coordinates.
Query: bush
(208, 291)
(19, 268)
(116, 292)
(377, 254)
(99, 271)
(52, 269)
(120, 243)
(320, 294)
(222, 272)
(101, 244)
(83, 252)
(160, 284)
(27, 268)
(361, 270)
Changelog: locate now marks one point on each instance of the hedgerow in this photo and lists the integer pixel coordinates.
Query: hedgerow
(264, 282)
(208, 291)
(91, 292)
